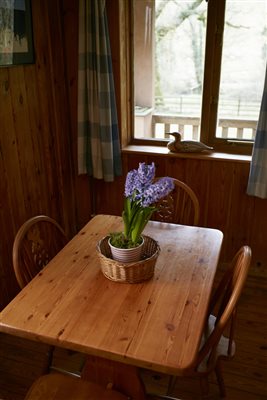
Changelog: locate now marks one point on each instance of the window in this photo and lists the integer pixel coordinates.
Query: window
(198, 67)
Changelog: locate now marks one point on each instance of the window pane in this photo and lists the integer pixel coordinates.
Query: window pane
(243, 68)
(169, 45)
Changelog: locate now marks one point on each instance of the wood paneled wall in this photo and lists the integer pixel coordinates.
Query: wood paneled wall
(38, 162)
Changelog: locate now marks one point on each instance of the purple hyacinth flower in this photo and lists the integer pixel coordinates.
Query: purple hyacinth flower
(131, 183)
(146, 173)
(138, 180)
(157, 191)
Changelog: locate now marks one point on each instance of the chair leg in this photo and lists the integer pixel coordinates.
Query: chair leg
(171, 384)
(204, 386)
(219, 376)
(50, 358)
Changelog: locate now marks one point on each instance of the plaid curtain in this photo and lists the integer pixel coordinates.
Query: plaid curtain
(257, 183)
(98, 137)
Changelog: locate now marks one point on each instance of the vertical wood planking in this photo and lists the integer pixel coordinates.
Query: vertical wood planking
(70, 15)
(36, 159)
(60, 113)
(201, 185)
(46, 131)
(258, 232)
(11, 170)
(24, 144)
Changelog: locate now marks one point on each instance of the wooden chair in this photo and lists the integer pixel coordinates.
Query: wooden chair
(216, 347)
(181, 206)
(38, 240)
(58, 387)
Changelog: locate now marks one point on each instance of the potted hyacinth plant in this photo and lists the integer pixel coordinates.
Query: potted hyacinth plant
(141, 195)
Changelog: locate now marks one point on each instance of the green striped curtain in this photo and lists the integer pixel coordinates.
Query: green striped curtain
(99, 152)
(257, 183)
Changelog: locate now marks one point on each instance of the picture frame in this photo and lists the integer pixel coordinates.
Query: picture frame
(16, 35)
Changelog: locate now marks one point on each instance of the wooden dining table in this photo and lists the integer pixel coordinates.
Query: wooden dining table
(156, 324)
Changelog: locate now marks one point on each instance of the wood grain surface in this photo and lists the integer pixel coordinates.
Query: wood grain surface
(38, 150)
(156, 324)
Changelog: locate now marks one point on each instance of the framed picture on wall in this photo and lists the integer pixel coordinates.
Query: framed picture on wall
(16, 39)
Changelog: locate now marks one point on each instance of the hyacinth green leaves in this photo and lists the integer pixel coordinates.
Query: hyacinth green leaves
(135, 218)
(141, 193)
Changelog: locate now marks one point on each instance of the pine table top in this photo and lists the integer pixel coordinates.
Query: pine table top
(156, 324)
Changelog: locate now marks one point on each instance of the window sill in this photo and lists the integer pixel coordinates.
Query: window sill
(203, 156)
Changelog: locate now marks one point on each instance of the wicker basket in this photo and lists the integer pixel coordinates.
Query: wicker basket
(129, 272)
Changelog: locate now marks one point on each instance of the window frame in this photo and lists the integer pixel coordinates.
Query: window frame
(211, 82)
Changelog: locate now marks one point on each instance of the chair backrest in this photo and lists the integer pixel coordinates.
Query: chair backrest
(38, 240)
(223, 304)
(181, 206)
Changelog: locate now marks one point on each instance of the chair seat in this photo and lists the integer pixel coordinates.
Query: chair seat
(59, 387)
(221, 349)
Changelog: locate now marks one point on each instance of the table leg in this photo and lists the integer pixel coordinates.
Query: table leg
(122, 377)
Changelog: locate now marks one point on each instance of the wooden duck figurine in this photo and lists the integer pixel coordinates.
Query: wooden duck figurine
(177, 145)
